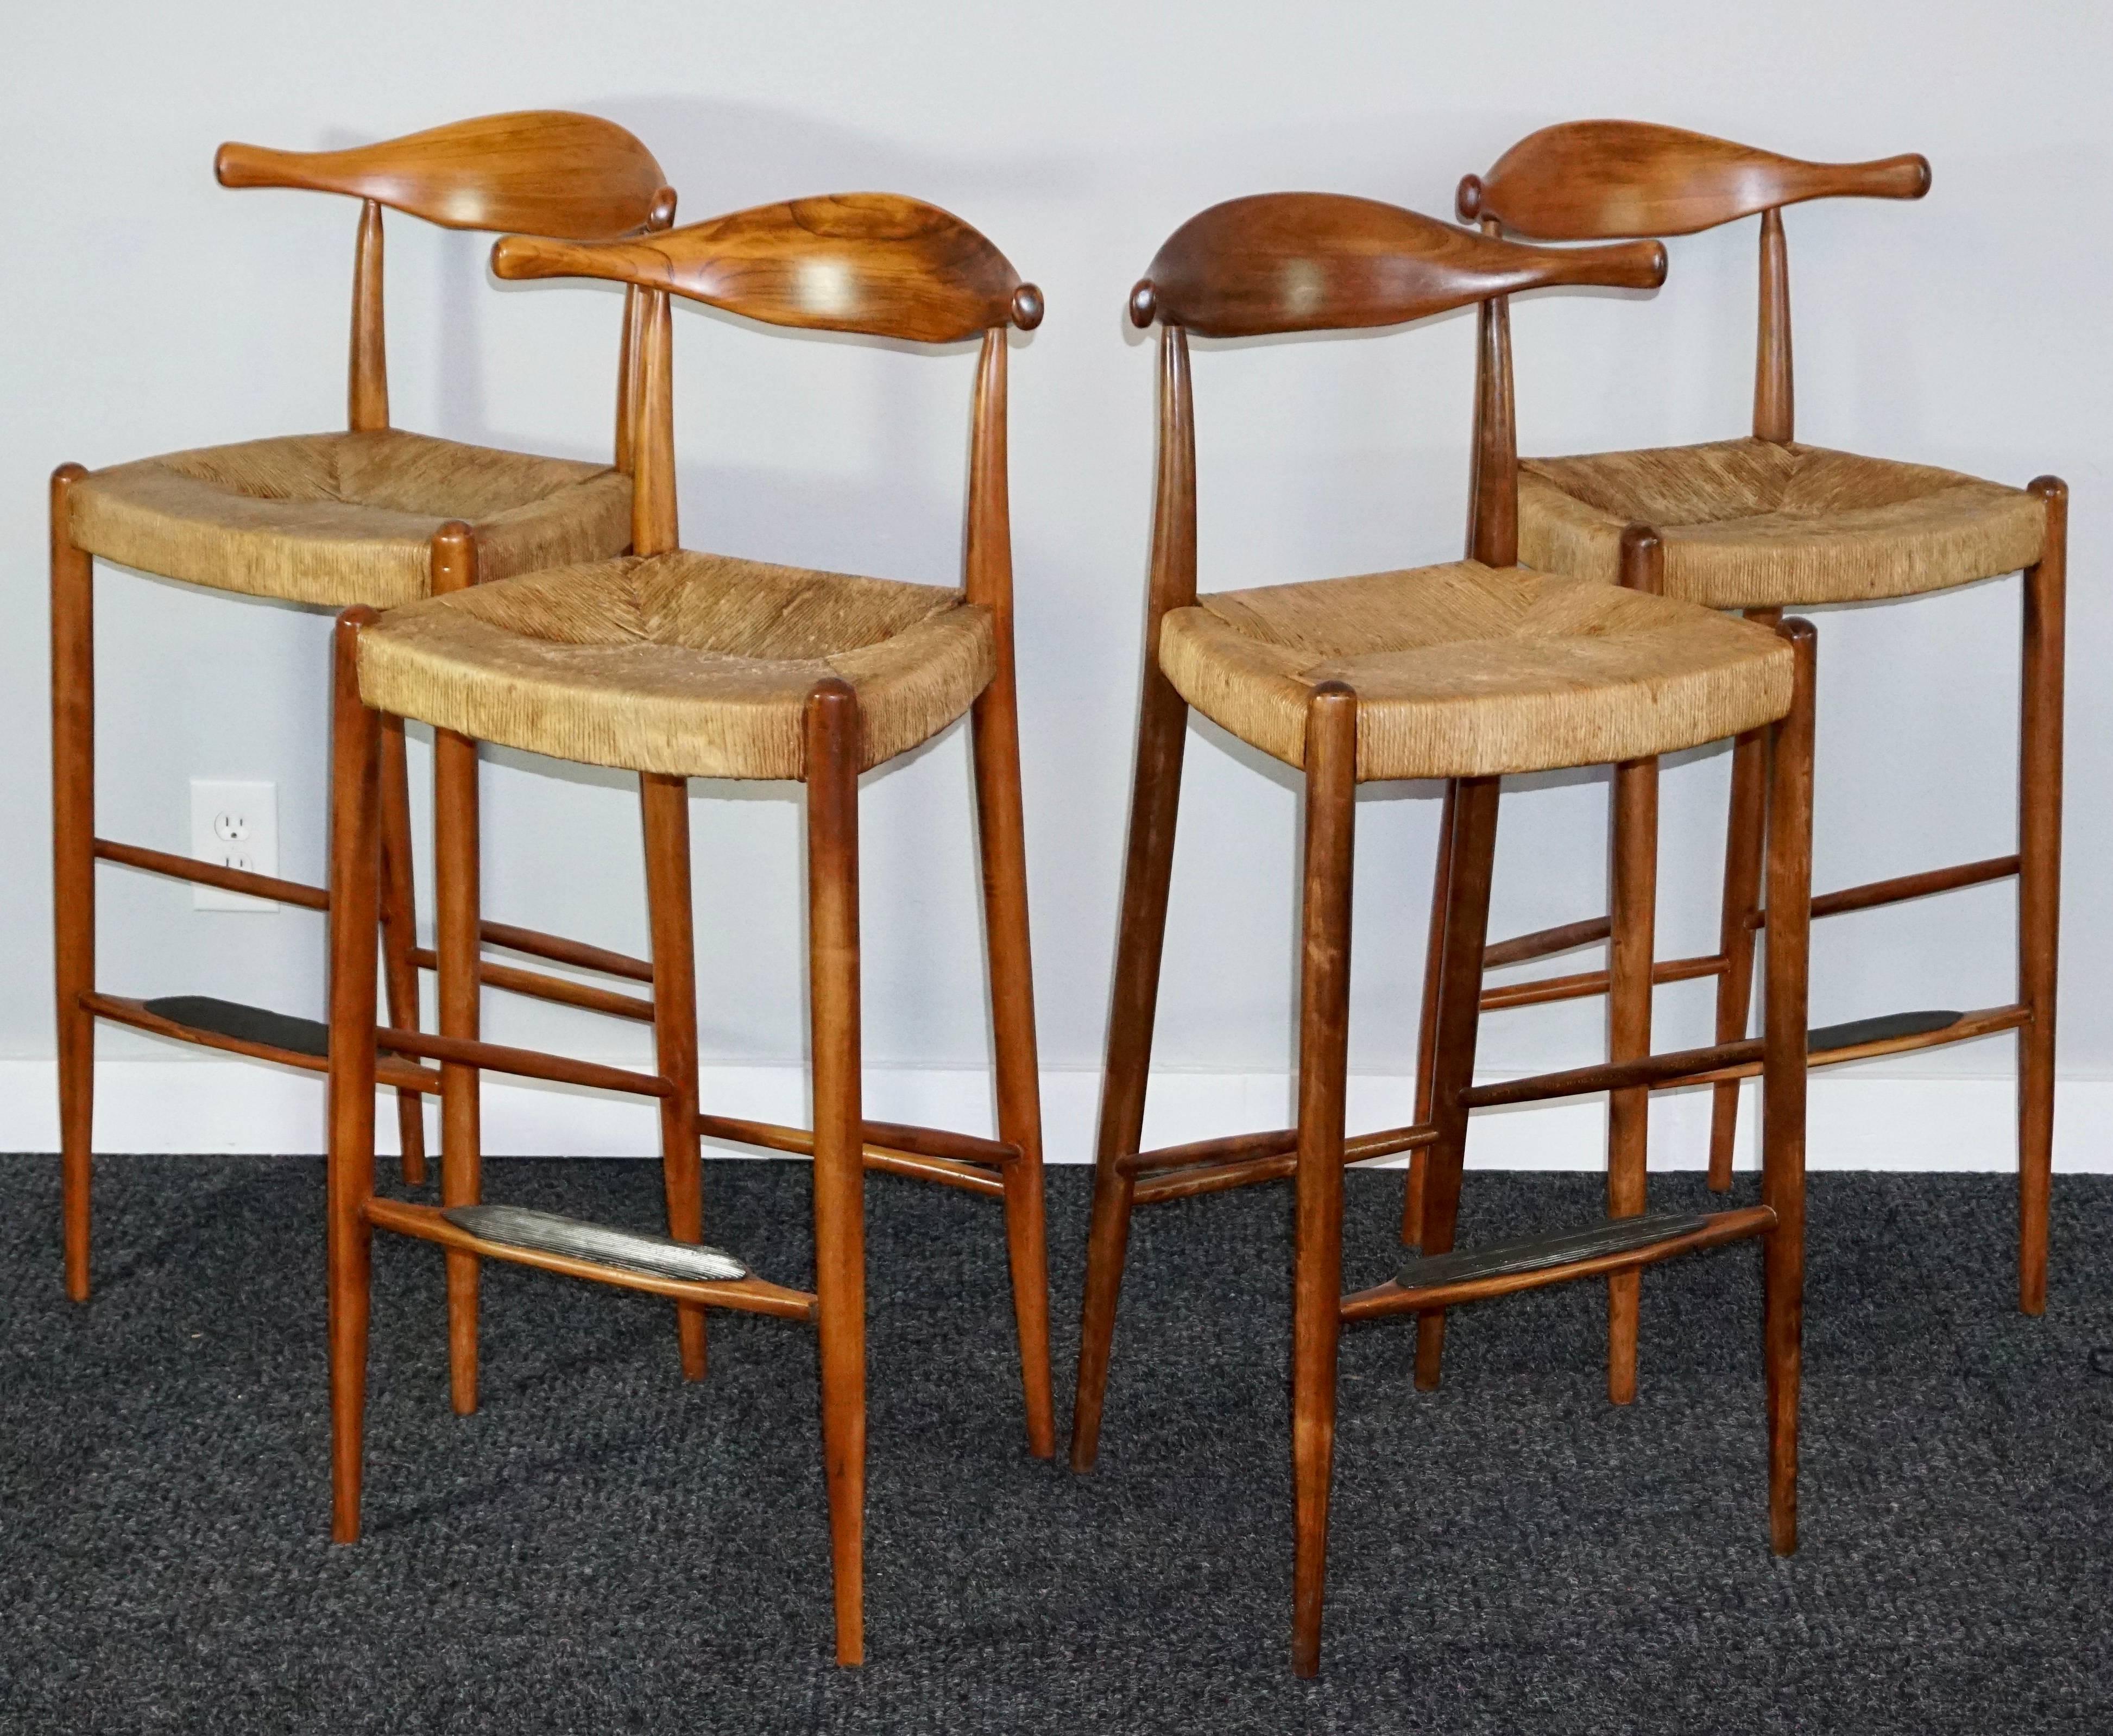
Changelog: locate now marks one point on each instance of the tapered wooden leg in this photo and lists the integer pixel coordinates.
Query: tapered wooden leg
(1155, 800)
(457, 899)
(1453, 1056)
(1735, 934)
(355, 914)
(1634, 882)
(1426, 1030)
(1783, 1080)
(1324, 1019)
(400, 934)
(1001, 834)
(665, 802)
(833, 942)
(73, 868)
(2039, 887)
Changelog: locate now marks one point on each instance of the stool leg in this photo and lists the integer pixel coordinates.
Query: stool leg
(1324, 1019)
(665, 802)
(400, 935)
(1735, 934)
(832, 737)
(73, 869)
(1426, 1031)
(1633, 918)
(457, 899)
(2039, 887)
(1453, 1055)
(1155, 801)
(1001, 834)
(355, 915)
(1783, 1081)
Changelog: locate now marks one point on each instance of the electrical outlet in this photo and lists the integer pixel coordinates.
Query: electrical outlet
(234, 825)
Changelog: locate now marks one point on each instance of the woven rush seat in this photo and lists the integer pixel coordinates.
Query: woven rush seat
(337, 519)
(1469, 671)
(689, 665)
(1756, 524)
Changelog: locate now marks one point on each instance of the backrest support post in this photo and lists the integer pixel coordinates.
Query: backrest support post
(368, 391)
(653, 527)
(1173, 580)
(1494, 530)
(986, 563)
(630, 351)
(1493, 510)
(1774, 399)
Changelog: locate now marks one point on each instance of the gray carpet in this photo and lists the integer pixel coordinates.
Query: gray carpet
(605, 1549)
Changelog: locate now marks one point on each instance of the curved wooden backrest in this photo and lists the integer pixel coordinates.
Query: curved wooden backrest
(872, 263)
(1319, 262)
(1597, 180)
(544, 170)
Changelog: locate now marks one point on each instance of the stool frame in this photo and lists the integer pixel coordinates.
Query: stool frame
(1595, 181)
(1255, 297)
(573, 173)
(931, 280)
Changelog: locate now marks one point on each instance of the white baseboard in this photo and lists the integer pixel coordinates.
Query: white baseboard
(1856, 1122)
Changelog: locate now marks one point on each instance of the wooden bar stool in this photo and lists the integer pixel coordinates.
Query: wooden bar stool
(1766, 524)
(374, 516)
(677, 665)
(1464, 671)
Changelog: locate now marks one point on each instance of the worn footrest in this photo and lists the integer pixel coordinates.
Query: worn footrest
(245, 1024)
(1883, 1028)
(1561, 1248)
(631, 1251)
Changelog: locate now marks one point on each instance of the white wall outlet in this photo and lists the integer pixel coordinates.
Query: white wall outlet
(234, 825)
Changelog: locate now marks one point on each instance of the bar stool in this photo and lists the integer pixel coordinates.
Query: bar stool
(1766, 524)
(675, 665)
(1465, 671)
(374, 516)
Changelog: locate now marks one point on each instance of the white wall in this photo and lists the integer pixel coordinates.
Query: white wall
(146, 309)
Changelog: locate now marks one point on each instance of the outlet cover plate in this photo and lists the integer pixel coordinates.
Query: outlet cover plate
(234, 824)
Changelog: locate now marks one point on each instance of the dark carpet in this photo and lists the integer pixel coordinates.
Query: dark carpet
(604, 1549)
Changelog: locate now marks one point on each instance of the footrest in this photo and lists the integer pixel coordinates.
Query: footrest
(1882, 1029)
(633, 1250)
(245, 1024)
(1560, 1248)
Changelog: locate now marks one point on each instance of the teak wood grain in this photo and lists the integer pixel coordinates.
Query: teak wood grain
(1598, 180)
(544, 170)
(872, 263)
(1326, 262)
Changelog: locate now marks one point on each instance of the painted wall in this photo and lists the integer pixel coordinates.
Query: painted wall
(147, 309)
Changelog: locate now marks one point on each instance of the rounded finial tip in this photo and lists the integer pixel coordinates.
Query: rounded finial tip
(1143, 304)
(1027, 306)
(1468, 201)
(662, 214)
(1922, 184)
(1657, 263)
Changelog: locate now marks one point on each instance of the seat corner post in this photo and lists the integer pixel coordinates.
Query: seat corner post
(1784, 1071)
(1002, 843)
(1324, 1014)
(664, 807)
(73, 867)
(354, 919)
(2039, 882)
(1148, 879)
(832, 754)
(457, 901)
